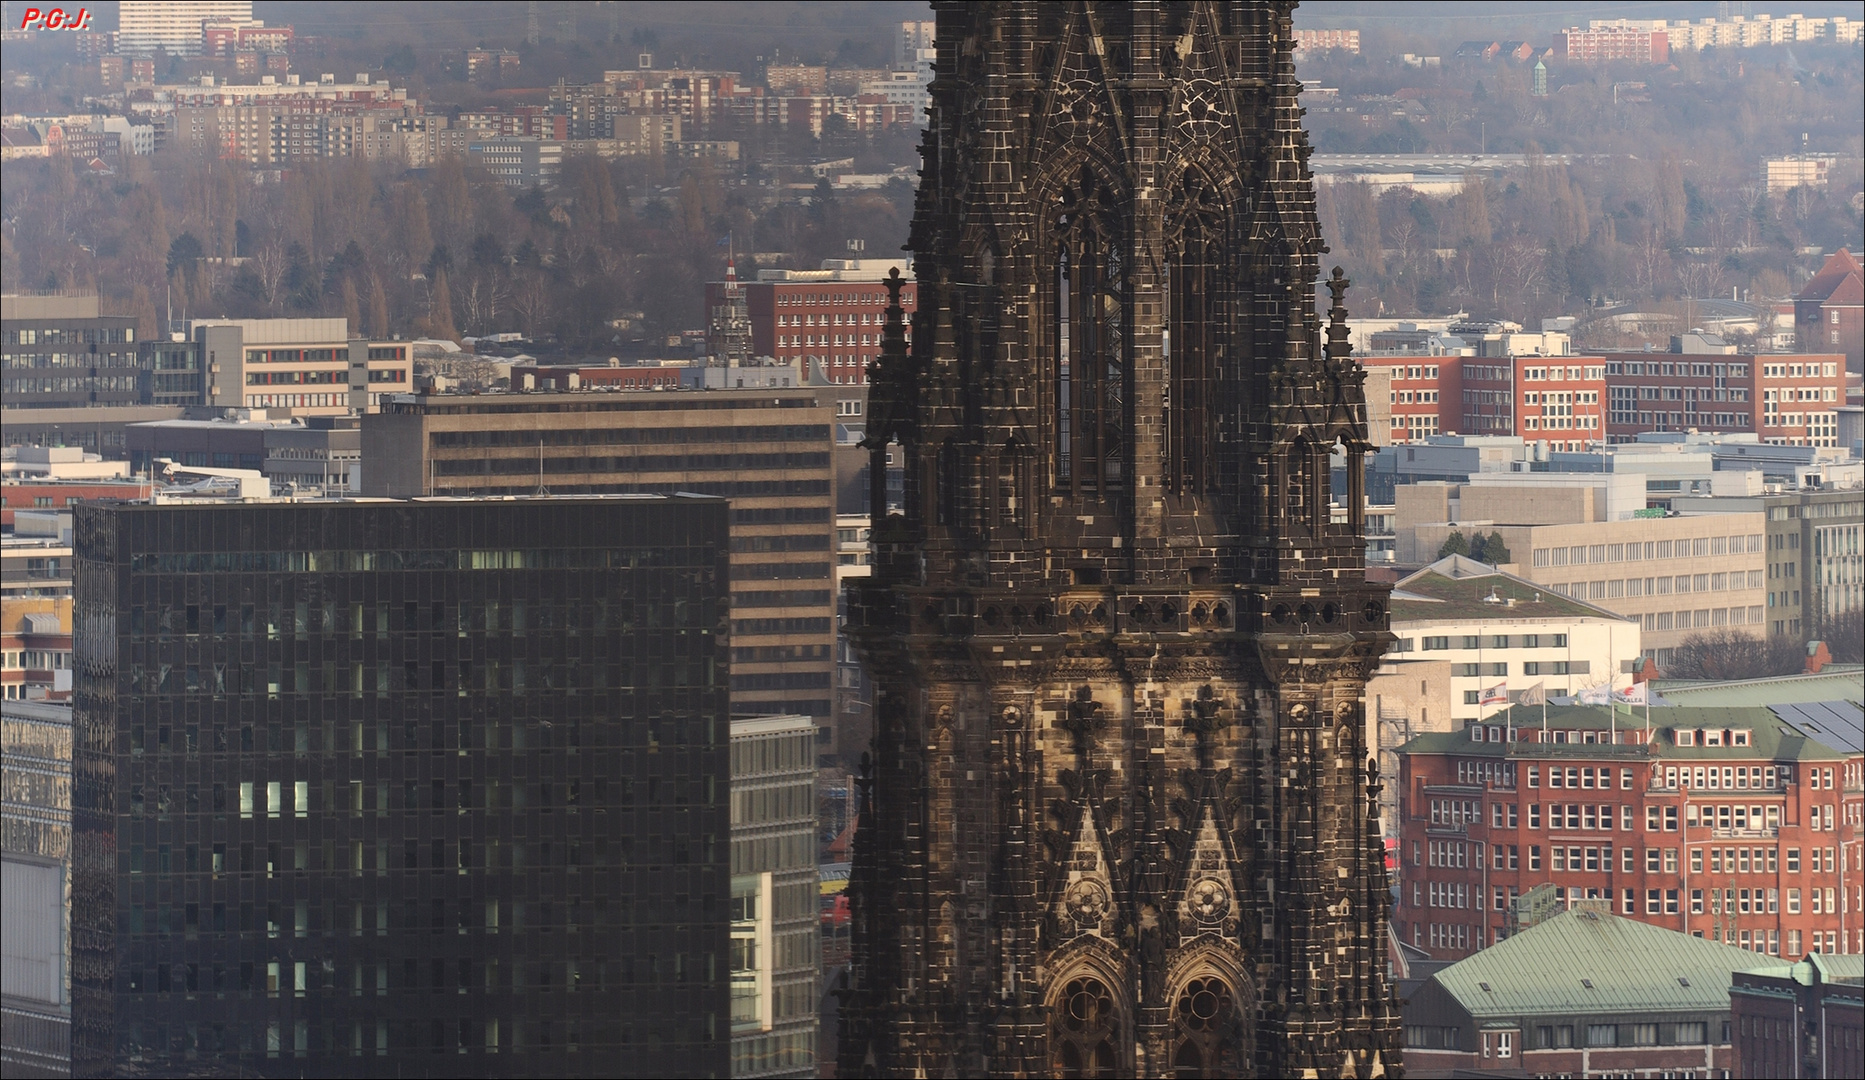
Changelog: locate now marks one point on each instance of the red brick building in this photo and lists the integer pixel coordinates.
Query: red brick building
(830, 319)
(1829, 310)
(63, 494)
(1570, 401)
(1790, 399)
(1422, 387)
(1552, 399)
(1728, 824)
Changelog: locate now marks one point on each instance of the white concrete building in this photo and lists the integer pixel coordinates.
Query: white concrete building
(174, 28)
(1495, 629)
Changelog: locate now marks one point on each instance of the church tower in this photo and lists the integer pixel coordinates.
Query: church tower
(1120, 815)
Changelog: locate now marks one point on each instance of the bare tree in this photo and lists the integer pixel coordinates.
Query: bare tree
(268, 263)
(1697, 278)
(1520, 270)
(1731, 654)
(531, 302)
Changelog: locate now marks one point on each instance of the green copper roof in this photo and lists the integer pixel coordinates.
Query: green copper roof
(1836, 683)
(1590, 963)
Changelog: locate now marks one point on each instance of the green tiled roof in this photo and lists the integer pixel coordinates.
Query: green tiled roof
(1459, 589)
(1769, 736)
(1633, 968)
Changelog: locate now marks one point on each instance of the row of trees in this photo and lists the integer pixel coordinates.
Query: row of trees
(1554, 238)
(444, 252)
(1730, 654)
(1484, 549)
(1656, 193)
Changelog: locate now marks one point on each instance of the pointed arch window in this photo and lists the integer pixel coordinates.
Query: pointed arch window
(1085, 1030)
(1093, 376)
(1205, 1030)
(1303, 500)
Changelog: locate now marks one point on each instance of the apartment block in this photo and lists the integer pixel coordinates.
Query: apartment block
(1615, 39)
(175, 28)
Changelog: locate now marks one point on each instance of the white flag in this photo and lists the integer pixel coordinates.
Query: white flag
(1495, 695)
(1635, 694)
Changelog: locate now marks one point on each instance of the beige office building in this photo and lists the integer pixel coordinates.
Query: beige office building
(1676, 575)
(769, 451)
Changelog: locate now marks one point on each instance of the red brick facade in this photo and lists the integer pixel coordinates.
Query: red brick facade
(1571, 401)
(62, 495)
(1738, 841)
(834, 327)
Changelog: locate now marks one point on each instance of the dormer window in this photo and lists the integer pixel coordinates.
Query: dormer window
(1712, 738)
(1738, 738)
(1685, 738)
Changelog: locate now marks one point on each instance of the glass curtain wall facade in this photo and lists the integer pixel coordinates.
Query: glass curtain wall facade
(427, 788)
(776, 927)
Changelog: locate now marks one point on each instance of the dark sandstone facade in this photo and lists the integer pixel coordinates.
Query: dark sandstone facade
(1120, 818)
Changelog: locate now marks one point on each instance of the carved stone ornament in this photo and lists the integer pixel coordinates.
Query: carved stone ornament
(1209, 900)
(1087, 902)
(1205, 715)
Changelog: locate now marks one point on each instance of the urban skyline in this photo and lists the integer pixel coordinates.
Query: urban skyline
(1203, 541)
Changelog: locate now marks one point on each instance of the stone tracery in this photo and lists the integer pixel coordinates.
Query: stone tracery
(1116, 418)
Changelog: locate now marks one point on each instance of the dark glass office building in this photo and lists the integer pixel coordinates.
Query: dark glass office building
(426, 788)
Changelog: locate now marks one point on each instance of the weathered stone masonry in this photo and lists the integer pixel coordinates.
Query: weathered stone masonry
(1119, 818)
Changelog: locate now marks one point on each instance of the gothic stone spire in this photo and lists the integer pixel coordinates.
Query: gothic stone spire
(1121, 618)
